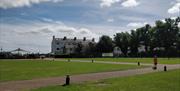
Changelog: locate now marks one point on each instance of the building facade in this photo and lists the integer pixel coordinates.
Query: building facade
(65, 46)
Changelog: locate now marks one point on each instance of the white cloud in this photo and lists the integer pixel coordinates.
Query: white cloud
(163, 20)
(37, 35)
(84, 31)
(47, 20)
(175, 8)
(110, 20)
(136, 24)
(54, 27)
(108, 3)
(20, 3)
(130, 3)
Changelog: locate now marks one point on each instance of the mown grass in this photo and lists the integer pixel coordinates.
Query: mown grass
(161, 81)
(134, 60)
(29, 69)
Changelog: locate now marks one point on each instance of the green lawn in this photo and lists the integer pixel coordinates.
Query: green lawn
(29, 69)
(142, 60)
(161, 81)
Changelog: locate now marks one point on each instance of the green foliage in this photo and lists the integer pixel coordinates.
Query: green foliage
(105, 44)
(163, 39)
(122, 40)
(134, 42)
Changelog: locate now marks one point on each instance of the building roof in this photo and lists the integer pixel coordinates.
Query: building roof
(73, 41)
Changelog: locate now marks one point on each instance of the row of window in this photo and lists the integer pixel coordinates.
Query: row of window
(68, 43)
(69, 49)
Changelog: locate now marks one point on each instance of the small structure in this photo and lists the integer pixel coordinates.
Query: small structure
(138, 63)
(92, 61)
(42, 56)
(117, 51)
(107, 54)
(141, 48)
(67, 81)
(165, 68)
(19, 51)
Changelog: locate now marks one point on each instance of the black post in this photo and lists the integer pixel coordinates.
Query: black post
(67, 80)
(138, 63)
(154, 67)
(165, 68)
(92, 61)
(68, 60)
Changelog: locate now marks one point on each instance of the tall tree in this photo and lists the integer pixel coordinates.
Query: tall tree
(166, 34)
(105, 44)
(122, 40)
(134, 42)
(152, 42)
(146, 36)
(177, 23)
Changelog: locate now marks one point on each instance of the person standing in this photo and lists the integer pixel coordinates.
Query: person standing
(155, 62)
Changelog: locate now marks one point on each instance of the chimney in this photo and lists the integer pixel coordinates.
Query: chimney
(53, 37)
(84, 39)
(93, 40)
(64, 38)
(75, 38)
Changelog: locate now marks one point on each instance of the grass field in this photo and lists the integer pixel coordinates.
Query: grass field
(142, 60)
(21, 70)
(161, 81)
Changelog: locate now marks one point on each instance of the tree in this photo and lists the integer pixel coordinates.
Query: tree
(105, 44)
(134, 42)
(166, 34)
(122, 40)
(152, 41)
(177, 44)
(145, 36)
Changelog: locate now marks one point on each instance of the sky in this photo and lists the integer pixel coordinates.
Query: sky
(30, 24)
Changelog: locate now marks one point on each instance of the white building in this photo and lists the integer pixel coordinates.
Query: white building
(141, 48)
(64, 46)
(117, 51)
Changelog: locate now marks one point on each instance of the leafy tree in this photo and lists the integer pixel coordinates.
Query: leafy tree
(134, 42)
(145, 36)
(122, 40)
(105, 44)
(152, 41)
(166, 34)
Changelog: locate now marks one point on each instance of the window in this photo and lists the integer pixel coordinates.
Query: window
(57, 43)
(57, 49)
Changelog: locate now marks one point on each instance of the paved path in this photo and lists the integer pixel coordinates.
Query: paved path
(106, 62)
(36, 83)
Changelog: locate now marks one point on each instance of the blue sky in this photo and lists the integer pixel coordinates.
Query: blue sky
(30, 24)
